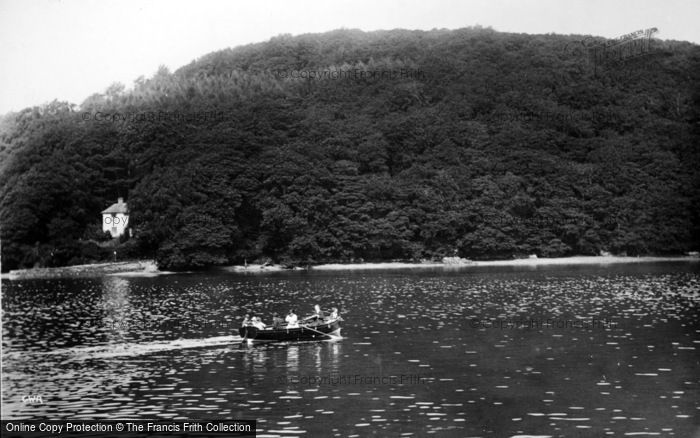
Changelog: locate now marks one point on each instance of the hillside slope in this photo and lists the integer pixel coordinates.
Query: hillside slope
(403, 145)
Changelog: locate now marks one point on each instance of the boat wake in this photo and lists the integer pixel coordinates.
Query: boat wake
(129, 349)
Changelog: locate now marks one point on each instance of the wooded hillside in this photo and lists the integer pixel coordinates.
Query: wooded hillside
(488, 144)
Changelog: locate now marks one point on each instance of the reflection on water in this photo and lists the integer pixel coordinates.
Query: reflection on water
(292, 364)
(477, 352)
(115, 305)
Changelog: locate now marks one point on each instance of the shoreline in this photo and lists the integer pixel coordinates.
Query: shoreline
(144, 268)
(148, 268)
(573, 260)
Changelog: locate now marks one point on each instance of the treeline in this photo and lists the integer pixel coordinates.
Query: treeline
(483, 144)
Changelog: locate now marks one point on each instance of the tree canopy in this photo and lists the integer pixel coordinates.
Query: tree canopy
(480, 143)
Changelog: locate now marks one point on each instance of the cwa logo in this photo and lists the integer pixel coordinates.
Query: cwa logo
(32, 400)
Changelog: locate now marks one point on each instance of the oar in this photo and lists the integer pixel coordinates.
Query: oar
(328, 322)
(307, 327)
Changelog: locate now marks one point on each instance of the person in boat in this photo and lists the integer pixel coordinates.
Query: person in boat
(246, 321)
(317, 316)
(334, 314)
(292, 319)
(277, 322)
(258, 324)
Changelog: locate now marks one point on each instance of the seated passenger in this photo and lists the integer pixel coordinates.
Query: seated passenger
(292, 320)
(258, 324)
(334, 314)
(277, 322)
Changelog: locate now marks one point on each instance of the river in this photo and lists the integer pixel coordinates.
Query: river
(552, 351)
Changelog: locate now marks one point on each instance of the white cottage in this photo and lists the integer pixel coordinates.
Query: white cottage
(116, 218)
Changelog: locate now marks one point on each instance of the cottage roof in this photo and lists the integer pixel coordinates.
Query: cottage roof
(117, 207)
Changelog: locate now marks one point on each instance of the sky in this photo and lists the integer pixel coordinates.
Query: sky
(70, 49)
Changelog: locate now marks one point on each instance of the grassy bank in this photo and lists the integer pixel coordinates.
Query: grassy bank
(143, 268)
(91, 270)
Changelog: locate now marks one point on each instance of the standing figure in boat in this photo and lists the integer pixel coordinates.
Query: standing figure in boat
(317, 316)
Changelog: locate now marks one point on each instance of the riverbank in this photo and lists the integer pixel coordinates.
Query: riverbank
(148, 268)
(130, 268)
(575, 260)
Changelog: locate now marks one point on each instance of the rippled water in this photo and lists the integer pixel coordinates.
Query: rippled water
(553, 351)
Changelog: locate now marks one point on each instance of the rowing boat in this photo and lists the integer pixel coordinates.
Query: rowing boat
(317, 331)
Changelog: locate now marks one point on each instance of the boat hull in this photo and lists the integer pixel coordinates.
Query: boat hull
(309, 332)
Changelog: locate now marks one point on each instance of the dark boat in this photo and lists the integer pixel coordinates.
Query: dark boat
(305, 332)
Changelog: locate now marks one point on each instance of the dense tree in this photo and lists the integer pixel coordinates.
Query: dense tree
(393, 145)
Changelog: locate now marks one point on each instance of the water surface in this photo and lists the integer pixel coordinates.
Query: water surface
(554, 351)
